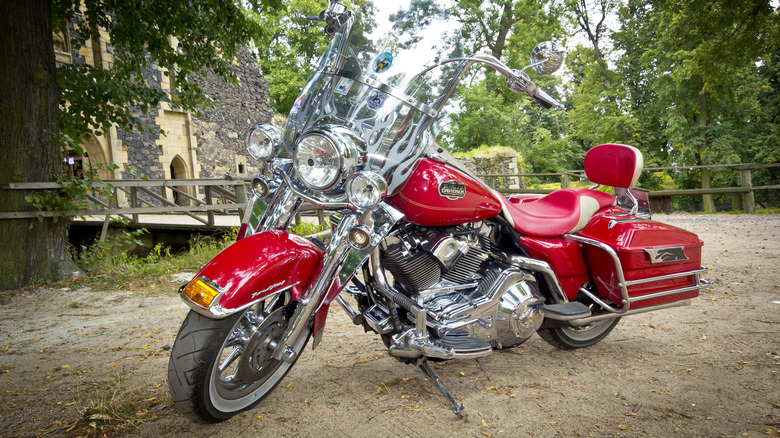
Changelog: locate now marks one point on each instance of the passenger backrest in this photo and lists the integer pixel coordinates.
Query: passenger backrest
(615, 165)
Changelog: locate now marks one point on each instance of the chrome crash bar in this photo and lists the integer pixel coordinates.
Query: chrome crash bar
(626, 300)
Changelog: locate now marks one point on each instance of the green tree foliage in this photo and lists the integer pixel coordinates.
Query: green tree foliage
(287, 47)
(91, 100)
(289, 43)
(701, 65)
(490, 114)
(183, 37)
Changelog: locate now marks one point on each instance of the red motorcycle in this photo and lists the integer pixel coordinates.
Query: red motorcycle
(437, 263)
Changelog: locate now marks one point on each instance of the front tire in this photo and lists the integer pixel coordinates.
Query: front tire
(570, 338)
(221, 367)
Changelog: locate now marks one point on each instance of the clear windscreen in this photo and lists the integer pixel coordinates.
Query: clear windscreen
(376, 82)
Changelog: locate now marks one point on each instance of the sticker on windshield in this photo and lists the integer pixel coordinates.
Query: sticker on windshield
(376, 99)
(344, 85)
(383, 62)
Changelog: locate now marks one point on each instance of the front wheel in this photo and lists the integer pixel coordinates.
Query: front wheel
(570, 338)
(220, 367)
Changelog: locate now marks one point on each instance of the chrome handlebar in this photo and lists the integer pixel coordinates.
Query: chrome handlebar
(517, 81)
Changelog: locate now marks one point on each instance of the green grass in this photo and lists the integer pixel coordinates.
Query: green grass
(112, 266)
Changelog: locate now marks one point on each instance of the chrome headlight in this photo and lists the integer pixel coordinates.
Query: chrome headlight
(324, 157)
(263, 141)
(366, 189)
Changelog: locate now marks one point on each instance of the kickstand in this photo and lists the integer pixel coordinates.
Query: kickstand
(423, 364)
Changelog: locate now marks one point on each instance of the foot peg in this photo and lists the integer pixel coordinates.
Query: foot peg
(565, 311)
(423, 364)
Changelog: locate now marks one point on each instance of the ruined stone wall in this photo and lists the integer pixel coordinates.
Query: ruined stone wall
(494, 160)
(220, 131)
(206, 146)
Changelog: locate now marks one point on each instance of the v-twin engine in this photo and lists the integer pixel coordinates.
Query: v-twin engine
(452, 273)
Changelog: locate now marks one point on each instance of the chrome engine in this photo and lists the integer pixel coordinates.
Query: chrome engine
(464, 289)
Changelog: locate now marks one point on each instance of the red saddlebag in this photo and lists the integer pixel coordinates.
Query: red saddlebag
(660, 263)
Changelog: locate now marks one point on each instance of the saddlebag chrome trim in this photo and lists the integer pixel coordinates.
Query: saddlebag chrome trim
(626, 300)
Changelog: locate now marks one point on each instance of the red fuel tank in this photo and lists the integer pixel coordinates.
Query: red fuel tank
(437, 194)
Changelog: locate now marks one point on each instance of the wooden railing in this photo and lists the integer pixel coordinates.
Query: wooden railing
(661, 199)
(131, 198)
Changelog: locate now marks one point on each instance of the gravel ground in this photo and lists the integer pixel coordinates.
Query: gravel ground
(705, 370)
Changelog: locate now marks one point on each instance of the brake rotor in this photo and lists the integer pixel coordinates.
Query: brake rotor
(256, 362)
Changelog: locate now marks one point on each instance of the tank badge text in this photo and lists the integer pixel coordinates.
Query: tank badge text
(452, 190)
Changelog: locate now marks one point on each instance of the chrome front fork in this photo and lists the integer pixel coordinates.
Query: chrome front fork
(341, 260)
(334, 257)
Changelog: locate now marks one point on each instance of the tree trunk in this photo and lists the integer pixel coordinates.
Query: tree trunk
(29, 119)
(507, 20)
(706, 177)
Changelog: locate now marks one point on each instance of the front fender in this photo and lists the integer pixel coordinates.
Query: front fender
(251, 269)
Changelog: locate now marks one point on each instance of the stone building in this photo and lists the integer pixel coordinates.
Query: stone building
(207, 146)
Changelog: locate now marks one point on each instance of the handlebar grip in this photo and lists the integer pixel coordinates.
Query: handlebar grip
(546, 100)
(519, 83)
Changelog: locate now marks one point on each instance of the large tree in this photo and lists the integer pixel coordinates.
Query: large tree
(490, 114)
(44, 109)
(290, 43)
(28, 127)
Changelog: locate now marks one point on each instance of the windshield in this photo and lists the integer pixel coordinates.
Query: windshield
(374, 79)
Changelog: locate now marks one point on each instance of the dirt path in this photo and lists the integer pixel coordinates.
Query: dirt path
(705, 370)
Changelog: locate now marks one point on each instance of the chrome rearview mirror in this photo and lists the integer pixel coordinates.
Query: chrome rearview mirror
(546, 58)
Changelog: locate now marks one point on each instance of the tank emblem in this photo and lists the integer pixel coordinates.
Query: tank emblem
(452, 190)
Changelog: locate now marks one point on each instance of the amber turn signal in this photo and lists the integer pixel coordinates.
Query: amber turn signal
(200, 292)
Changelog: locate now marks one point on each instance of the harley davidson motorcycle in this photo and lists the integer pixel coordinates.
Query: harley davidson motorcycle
(421, 251)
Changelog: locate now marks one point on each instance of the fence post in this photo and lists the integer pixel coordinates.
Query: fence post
(107, 220)
(210, 213)
(241, 197)
(134, 202)
(565, 181)
(736, 201)
(748, 198)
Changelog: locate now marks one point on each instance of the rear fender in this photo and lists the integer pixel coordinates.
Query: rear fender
(252, 269)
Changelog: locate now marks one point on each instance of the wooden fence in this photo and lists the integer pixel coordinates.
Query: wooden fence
(661, 200)
(187, 196)
(202, 199)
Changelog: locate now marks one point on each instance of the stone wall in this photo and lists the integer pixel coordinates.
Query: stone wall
(494, 160)
(220, 131)
(209, 145)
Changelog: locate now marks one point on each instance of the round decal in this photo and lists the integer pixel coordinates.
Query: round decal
(383, 62)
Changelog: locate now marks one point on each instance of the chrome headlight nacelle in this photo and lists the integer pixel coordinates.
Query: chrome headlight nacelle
(324, 157)
(263, 142)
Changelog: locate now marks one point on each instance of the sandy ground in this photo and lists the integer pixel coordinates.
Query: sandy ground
(705, 370)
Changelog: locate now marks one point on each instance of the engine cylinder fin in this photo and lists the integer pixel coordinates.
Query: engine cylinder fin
(467, 266)
(415, 272)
